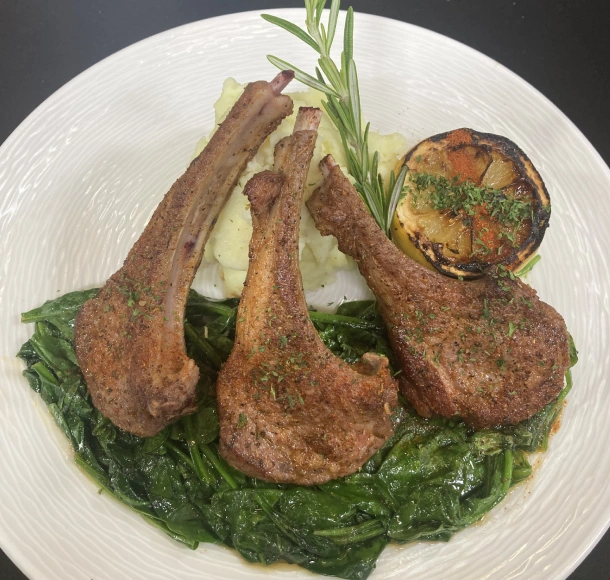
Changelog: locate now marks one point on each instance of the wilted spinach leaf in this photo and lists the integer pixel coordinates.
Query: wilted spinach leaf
(431, 479)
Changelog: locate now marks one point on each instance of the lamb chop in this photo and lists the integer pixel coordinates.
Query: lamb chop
(487, 350)
(289, 410)
(129, 338)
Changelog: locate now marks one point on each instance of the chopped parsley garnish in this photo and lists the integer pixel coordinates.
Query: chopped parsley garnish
(465, 198)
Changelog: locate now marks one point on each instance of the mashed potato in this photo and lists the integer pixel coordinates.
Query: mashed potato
(319, 256)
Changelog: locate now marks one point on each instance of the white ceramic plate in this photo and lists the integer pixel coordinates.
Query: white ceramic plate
(80, 178)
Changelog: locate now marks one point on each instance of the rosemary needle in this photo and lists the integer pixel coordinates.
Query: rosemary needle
(340, 86)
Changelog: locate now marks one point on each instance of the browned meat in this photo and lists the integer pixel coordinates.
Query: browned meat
(289, 410)
(489, 350)
(130, 338)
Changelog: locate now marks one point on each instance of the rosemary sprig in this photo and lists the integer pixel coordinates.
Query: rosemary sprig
(340, 86)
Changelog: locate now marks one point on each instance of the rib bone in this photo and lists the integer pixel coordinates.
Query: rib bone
(130, 338)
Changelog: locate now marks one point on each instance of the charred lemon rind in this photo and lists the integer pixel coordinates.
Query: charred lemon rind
(480, 157)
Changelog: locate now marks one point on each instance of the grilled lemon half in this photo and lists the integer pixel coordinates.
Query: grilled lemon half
(473, 200)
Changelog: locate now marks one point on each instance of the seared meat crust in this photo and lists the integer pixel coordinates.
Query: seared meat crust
(129, 338)
(487, 350)
(290, 411)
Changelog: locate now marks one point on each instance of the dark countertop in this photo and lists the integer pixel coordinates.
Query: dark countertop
(560, 47)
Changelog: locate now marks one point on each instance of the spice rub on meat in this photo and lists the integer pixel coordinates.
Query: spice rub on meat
(487, 350)
(130, 338)
(289, 410)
